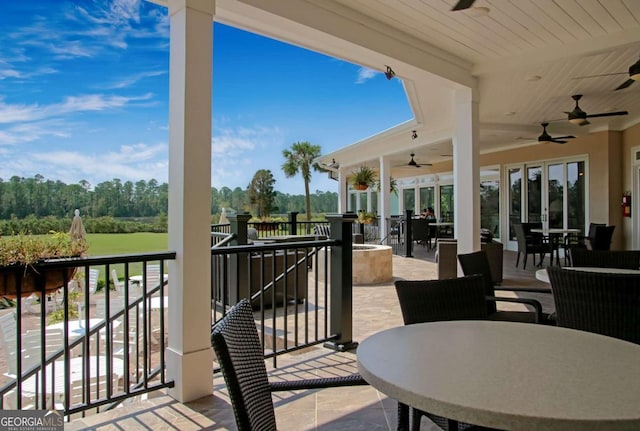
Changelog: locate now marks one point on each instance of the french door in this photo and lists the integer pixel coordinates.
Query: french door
(552, 193)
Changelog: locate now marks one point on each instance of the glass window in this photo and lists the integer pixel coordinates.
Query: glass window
(515, 200)
(353, 202)
(576, 195)
(534, 194)
(427, 197)
(556, 195)
(409, 199)
(446, 203)
(490, 206)
(363, 201)
(374, 202)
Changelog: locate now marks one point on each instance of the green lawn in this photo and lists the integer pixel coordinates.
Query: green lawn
(108, 244)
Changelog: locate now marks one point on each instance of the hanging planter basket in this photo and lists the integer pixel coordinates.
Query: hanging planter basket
(360, 187)
(29, 280)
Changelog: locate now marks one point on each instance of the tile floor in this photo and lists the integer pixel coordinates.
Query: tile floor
(356, 408)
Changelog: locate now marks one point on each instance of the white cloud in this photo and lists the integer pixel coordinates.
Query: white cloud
(129, 163)
(71, 104)
(130, 80)
(237, 153)
(364, 74)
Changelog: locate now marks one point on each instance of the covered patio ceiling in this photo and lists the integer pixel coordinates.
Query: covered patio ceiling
(525, 56)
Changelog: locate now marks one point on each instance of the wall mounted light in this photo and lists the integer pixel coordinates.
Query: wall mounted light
(389, 73)
(414, 135)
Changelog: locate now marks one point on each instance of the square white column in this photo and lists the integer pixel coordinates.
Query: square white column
(466, 171)
(189, 355)
(384, 195)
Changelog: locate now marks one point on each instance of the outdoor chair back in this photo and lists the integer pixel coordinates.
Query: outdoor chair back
(624, 259)
(439, 300)
(602, 238)
(239, 352)
(604, 303)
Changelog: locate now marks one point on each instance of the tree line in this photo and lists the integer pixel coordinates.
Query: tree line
(37, 198)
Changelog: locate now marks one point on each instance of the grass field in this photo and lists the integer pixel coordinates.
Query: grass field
(109, 244)
(106, 244)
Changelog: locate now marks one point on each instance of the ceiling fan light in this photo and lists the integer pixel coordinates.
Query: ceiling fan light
(577, 121)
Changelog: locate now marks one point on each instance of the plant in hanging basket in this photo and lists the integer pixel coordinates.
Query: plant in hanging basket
(22, 256)
(363, 178)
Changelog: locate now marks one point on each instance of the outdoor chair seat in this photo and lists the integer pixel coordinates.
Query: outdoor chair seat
(478, 263)
(237, 346)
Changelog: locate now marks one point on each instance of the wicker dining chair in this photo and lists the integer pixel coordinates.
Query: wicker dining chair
(237, 346)
(478, 263)
(437, 300)
(624, 259)
(604, 303)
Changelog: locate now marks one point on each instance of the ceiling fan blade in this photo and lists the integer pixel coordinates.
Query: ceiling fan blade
(604, 74)
(557, 141)
(463, 4)
(608, 114)
(565, 137)
(625, 84)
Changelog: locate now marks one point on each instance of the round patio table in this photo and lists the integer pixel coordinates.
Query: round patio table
(508, 375)
(543, 275)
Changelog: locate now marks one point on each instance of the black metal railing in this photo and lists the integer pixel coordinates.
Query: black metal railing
(296, 288)
(92, 340)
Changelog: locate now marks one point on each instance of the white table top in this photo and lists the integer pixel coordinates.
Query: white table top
(511, 376)
(555, 230)
(543, 275)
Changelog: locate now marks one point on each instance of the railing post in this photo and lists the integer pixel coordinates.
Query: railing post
(293, 223)
(341, 302)
(408, 234)
(238, 263)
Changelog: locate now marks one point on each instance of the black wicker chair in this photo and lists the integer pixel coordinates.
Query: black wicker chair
(529, 243)
(607, 304)
(478, 263)
(437, 300)
(235, 341)
(624, 259)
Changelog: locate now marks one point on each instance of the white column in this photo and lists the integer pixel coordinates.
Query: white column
(189, 355)
(466, 172)
(384, 194)
(343, 194)
(417, 205)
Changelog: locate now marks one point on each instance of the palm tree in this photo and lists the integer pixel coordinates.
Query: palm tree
(300, 158)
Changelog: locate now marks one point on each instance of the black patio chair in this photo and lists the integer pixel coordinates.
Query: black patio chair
(236, 344)
(624, 259)
(530, 243)
(602, 238)
(438, 300)
(478, 263)
(421, 232)
(604, 303)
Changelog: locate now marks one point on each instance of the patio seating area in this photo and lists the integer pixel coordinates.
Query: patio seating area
(375, 307)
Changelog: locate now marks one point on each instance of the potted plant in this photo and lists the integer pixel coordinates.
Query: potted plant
(21, 256)
(393, 185)
(363, 178)
(365, 217)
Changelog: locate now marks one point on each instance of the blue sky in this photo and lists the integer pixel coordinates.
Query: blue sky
(84, 96)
